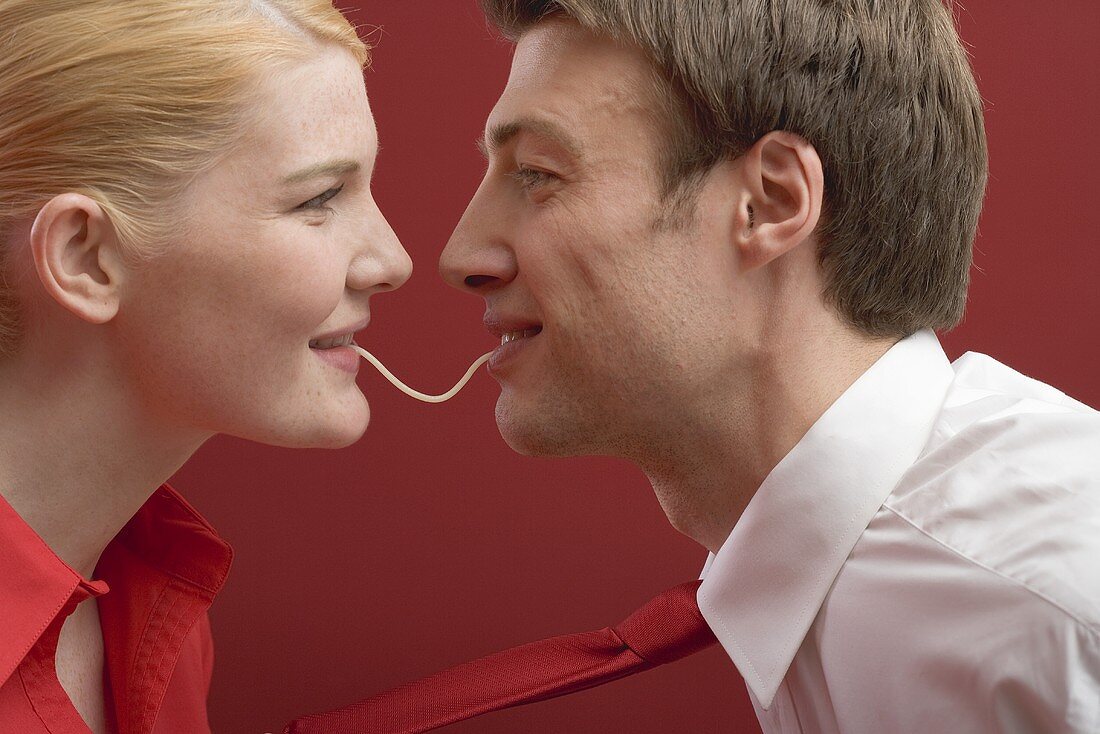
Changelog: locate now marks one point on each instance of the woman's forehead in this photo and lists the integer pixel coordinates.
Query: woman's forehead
(311, 112)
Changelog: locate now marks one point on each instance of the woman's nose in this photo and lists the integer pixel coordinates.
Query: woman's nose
(381, 263)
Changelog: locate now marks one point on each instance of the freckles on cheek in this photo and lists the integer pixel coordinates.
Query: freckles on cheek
(305, 293)
(287, 273)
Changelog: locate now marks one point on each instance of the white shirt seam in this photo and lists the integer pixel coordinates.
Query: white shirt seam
(1087, 626)
(732, 638)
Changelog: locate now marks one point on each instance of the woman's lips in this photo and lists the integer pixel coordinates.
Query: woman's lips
(342, 358)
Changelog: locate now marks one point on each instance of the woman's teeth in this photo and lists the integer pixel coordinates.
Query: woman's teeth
(511, 336)
(336, 341)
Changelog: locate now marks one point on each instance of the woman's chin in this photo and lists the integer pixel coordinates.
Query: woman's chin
(346, 439)
(339, 435)
(341, 426)
(333, 430)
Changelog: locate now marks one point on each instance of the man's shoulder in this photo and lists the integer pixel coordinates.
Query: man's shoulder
(1000, 424)
(979, 376)
(1010, 482)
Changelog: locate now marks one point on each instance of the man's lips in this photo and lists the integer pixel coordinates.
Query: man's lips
(514, 332)
(510, 329)
(517, 334)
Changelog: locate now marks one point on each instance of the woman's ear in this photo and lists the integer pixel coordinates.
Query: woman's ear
(782, 190)
(76, 255)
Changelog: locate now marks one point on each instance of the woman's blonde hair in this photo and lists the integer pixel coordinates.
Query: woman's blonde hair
(126, 101)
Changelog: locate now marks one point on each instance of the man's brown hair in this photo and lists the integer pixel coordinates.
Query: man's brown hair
(881, 88)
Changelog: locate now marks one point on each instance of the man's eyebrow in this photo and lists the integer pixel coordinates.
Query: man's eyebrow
(319, 170)
(500, 134)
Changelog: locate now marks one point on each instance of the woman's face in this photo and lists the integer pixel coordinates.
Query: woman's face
(283, 246)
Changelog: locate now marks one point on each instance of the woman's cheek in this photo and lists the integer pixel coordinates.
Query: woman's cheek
(304, 289)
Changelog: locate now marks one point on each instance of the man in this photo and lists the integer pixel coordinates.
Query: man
(716, 239)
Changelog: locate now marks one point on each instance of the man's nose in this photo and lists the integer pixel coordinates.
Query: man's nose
(479, 257)
(381, 263)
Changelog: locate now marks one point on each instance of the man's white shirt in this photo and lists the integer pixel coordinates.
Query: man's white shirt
(926, 559)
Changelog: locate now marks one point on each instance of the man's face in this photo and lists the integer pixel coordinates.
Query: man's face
(615, 319)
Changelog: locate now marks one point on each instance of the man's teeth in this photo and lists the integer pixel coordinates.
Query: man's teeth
(511, 336)
(336, 341)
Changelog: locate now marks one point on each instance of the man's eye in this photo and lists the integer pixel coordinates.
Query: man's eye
(530, 178)
(319, 201)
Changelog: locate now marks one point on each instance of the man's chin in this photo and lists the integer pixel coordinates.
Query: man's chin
(536, 434)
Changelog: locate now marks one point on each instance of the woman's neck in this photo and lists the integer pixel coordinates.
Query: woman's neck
(78, 456)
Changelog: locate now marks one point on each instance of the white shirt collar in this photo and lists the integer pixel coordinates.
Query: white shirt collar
(763, 589)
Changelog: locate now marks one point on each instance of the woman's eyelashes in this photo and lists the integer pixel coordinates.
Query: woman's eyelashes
(319, 201)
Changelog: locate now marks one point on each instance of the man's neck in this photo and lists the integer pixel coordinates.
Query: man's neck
(710, 466)
(77, 457)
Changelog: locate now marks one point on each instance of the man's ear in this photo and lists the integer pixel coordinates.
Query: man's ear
(76, 255)
(782, 189)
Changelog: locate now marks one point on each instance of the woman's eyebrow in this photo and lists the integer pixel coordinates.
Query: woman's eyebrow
(319, 170)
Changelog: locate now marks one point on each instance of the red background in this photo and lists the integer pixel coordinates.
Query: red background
(429, 542)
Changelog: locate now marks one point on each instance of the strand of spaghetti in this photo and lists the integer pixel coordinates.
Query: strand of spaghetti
(414, 393)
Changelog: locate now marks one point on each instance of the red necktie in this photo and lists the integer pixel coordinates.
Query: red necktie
(667, 628)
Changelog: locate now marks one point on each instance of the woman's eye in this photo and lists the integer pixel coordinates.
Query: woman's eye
(530, 178)
(319, 201)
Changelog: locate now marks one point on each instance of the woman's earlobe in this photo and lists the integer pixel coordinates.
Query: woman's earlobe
(76, 256)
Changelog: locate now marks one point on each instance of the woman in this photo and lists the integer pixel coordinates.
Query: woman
(188, 241)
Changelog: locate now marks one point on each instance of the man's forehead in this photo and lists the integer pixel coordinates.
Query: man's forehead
(561, 53)
(565, 79)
